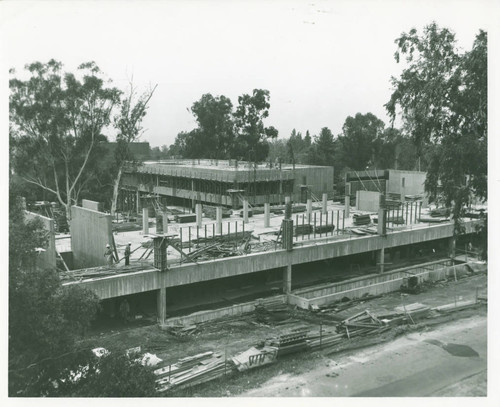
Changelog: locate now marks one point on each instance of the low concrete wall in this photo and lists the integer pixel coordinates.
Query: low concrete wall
(372, 285)
(367, 201)
(46, 259)
(203, 316)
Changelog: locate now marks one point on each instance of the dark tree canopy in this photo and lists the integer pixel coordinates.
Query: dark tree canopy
(215, 125)
(357, 141)
(251, 143)
(57, 121)
(323, 149)
(442, 98)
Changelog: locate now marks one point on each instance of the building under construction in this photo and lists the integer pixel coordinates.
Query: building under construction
(223, 183)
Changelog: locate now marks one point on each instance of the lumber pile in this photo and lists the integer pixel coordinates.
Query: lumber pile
(324, 339)
(181, 330)
(363, 323)
(191, 371)
(293, 342)
(102, 271)
(187, 218)
(305, 229)
(359, 220)
(324, 228)
(413, 311)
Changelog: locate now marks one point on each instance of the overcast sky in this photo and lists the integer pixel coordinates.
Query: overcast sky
(321, 60)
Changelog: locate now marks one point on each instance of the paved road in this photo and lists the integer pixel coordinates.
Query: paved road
(440, 362)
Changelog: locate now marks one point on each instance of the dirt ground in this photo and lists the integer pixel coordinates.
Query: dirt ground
(230, 336)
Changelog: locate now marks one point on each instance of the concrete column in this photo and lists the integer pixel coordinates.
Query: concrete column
(347, 206)
(199, 215)
(161, 305)
(381, 228)
(451, 247)
(218, 219)
(192, 194)
(245, 210)
(267, 215)
(165, 222)
(287, 279)
(309, 208)
(137, 202)
(325, 202)
(380, 259)
(145, 221)
(287, 199)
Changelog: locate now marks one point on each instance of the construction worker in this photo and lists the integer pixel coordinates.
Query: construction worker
(127, 254)
(109, 255)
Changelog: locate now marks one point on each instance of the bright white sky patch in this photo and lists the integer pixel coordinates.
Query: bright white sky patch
(321, 60)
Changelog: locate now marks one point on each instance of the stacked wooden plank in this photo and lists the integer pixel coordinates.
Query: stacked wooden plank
(291, 343)
(363, 323)
(102, 271)
(186, 218)
(324, 228)
(324, 339)
(358, 219)
(304, 229)
(191, 371)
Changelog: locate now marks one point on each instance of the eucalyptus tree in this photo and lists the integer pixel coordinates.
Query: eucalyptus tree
(441, 97)
(57, 122)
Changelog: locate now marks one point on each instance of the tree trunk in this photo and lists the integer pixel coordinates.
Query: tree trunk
(67, 206)
(115, 191)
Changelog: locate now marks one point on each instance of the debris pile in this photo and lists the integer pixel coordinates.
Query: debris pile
(362, 323)
(192, 370)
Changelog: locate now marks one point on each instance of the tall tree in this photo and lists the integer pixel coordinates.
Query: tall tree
(357, 141)
(215, 125)
(323, 149)
(251, 142)
(442, 98)
(128, 122)
(57, 120)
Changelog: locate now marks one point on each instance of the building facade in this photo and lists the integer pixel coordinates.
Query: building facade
(222, 182)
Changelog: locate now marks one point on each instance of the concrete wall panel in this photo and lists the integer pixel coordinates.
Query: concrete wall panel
(413, 182)
(367, 201)
(93, 205)
(90, 232)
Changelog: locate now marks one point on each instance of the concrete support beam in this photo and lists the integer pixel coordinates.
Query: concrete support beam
(309, 207)
(324, 203)
(161, 305)
(145, 221)
(245, 210)
(451, 246)
(381, 259)
(287, 279)
(218, 220)
(165, 222)
(347, 206)
(199, 215)
(267, 215)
